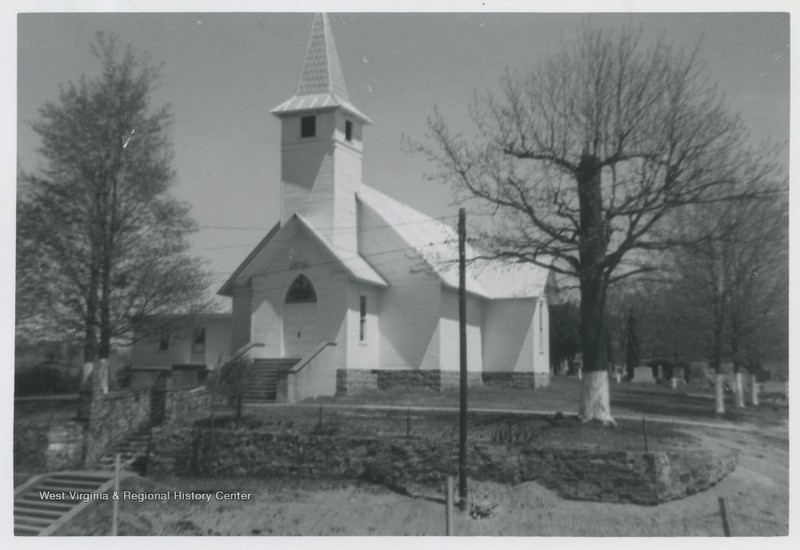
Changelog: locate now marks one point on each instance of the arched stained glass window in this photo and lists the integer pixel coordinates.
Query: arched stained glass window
(301, 291)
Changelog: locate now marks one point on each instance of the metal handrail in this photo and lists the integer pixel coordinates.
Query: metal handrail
(313, 353)
(247, 347)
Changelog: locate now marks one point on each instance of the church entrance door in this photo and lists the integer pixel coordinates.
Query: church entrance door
(300, 333)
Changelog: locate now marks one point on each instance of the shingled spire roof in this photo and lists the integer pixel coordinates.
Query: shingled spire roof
(321, 69)
(321, 84)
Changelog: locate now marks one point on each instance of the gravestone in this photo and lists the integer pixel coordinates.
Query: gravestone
(677, 377)
(643, 375)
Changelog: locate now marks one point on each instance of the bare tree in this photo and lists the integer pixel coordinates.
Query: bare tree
(737, 278)
(101, 244)
(582, 160)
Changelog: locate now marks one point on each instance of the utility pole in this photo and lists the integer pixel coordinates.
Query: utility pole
(462, 333)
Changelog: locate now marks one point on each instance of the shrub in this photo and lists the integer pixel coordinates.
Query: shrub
(44, 381)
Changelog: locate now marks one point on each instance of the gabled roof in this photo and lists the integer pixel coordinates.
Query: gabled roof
(356, 266)
(321, 84)
(227, 288)
(437, 243)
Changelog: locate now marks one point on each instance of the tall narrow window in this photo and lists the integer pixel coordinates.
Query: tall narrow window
(308, 126)
(348, 130)
(362, 320)
(199, 336)
(163, 342)
(541, 327)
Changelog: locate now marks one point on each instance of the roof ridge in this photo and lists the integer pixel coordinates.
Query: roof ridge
(487, 277)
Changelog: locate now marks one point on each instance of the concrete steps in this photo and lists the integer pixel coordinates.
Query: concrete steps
(263, 378)
(38, 516)
(134, 448)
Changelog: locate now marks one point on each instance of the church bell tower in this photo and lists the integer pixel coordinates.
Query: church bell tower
(321, 144)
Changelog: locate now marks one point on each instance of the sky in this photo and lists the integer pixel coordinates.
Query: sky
(222, 73)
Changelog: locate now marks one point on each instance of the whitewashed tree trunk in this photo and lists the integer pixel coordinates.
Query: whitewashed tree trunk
(86, 374)
(718, 394)
(595, 400)
(753, 390)
(102, 373)
(739, 389)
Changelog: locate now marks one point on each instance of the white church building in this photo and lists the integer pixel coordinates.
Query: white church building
(353, 290)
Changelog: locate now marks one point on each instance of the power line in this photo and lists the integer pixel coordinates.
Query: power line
(347, 228)
(356, 257)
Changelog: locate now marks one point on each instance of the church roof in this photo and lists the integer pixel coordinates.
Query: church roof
(321, 84)
(437, 243)
(355, 265)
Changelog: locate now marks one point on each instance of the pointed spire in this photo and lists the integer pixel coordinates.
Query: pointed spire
(321, 84)
(321, 69)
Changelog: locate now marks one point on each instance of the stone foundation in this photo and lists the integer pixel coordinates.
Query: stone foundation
(516, 380)
(451, 380)
(356, 381)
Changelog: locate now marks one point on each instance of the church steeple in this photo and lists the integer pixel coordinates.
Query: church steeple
(321, 69)
(321, 142)
(321, 84)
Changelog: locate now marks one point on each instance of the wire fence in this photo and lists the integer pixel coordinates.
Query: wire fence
(558, 429)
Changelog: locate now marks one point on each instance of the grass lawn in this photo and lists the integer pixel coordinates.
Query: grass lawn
(498, 428)
(563, 393)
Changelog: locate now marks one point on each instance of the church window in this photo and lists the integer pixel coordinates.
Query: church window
(163, 342)
(362, 320)
(200, 336)
(541, 327)
(308, 126)
(348, 130)
(301, 291)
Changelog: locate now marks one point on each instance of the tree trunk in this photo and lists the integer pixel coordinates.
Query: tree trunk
(753, 390)
(104, 348)
(90, 337)
(735, 339)
(719, 395)
(739, 389)
(595, 403)
(716, 350)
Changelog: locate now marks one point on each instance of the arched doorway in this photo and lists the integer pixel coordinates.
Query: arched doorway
(300, 333)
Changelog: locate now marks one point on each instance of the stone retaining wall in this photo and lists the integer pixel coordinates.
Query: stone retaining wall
(64, 446)
(608, 476)
(112, 417)
(185, 407)
(30, 446)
